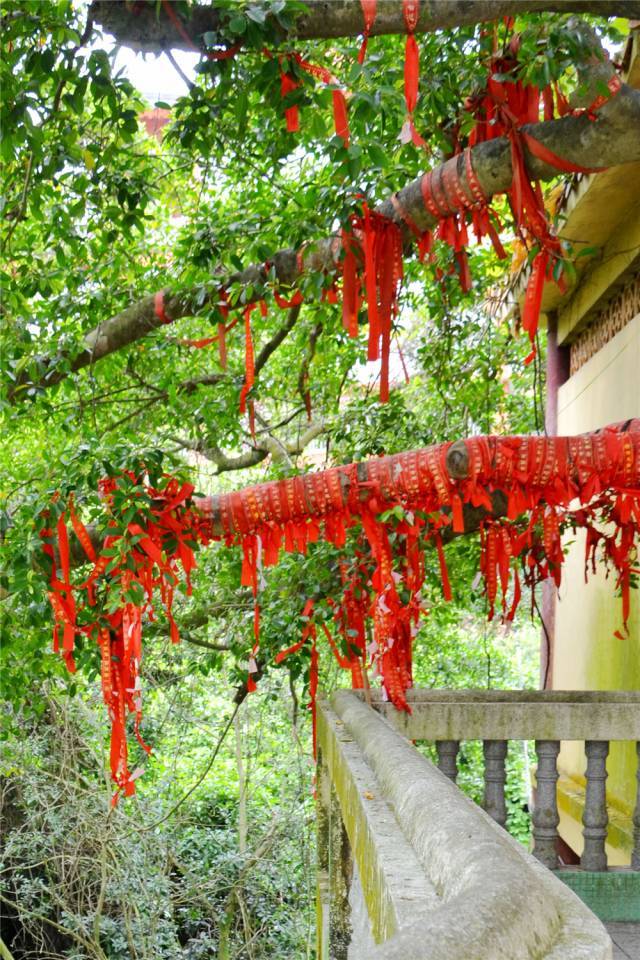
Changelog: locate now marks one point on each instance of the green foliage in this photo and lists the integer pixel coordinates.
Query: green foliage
(97, 214)
(162, 877)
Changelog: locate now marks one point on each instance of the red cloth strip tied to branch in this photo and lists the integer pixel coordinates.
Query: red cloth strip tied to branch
(379, 269)
(411, 10)
(369, 16)
(453, 195)
(249, 362)
(542, 478)
(139, 557)
(288, 84)
(506, 105)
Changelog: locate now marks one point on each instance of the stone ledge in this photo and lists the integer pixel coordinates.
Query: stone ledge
(517, 715)
(495, 902)
(394, 885)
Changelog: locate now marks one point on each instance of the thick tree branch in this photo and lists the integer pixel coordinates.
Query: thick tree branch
(148, 27)
(272, 345)
(357, 479)
(612, 139)
(269, 445)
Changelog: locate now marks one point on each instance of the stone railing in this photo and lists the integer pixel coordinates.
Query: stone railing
(409, 867)
(547, 717)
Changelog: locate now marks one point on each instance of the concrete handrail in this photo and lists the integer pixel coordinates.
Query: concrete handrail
(517, 715)
(487, 898)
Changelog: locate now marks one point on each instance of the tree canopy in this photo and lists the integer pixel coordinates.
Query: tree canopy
(133, 226)
(102, 211)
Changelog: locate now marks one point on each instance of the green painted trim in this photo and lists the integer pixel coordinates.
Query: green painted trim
(613, 896)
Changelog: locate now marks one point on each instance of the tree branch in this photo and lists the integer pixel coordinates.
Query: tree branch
(272, 345)
(217, 647)
(243, 461)
(270, 445)
(223, 462)
(147, 27)
(611, 139)
(360, 480)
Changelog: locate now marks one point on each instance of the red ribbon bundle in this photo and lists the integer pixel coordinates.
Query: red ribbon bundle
(501, 111)
(152, 553)
(542, 478)
(380, 261)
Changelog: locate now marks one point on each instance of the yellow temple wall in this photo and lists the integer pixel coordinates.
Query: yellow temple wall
(586, 654)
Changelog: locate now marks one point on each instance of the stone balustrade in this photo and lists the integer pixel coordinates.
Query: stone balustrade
(547, 717)
(408, 867)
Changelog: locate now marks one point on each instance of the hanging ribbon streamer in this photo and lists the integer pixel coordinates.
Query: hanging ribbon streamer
(249, 364)
(223, 307)
(533, 299)
(170, 528)
(556, 484)
(411, 10)
(287, 86)
(350, 285)
(340, 119)
(369, 17)
(383, 271)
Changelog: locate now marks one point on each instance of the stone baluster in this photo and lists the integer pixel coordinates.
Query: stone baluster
(495, 752)
(635, 856)
(448, 758)
(545, 815)
(595, 817)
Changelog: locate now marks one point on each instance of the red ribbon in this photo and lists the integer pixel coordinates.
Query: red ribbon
(249, 366)
(158, 307)
(533, 299)
(410, 10)
(350, 286)
(287, 86)
(369, 16)
(285, 304)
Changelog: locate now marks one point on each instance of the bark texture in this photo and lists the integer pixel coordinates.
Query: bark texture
(610, 140)
(148, 28)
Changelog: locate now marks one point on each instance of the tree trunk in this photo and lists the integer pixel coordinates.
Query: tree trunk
(147, 26)
(611, 139)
